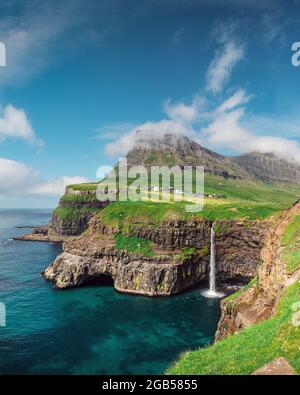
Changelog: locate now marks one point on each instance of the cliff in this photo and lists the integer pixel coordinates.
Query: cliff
(179, 256)
(75, 210)
(259, 300)
(259, 329)
(87, 260)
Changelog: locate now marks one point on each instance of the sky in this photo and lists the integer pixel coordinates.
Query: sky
(81, 77)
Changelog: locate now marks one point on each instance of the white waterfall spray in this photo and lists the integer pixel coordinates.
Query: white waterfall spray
(212, 292)
(212, 266)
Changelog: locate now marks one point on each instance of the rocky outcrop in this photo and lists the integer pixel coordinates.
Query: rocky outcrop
(259, 300)
(170, 271)
(238, 247)
(279, 367)
(173, 233)
(75, 209)
(73, 226)
(85, 260)
(42, 234)
(238, 243)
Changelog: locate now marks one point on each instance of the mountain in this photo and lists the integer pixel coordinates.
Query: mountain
(268, 168)
(171, 150)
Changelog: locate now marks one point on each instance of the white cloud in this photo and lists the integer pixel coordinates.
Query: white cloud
(109, 132)
(147, 131)
(238, 98)
(28, 37)
(20, 180)
(57, 186)
(38, 33)
(184, 113)
(220, 68)
(181, 116)
(228, 126)
(15, 177)
(276, 125)
(14, 123)
(229, 129)
(225, 124)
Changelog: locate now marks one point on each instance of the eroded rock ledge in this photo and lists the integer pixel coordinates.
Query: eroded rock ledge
(90, 257)
(87, 259)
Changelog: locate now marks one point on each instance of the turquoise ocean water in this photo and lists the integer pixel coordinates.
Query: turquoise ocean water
(91, 330)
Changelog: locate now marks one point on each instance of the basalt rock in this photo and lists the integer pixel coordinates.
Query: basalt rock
(172, 233)
(259, 300)
(238, 243)
(74, 226)
(90, 257)
(86, 260)
(80, 206)
(238, 247)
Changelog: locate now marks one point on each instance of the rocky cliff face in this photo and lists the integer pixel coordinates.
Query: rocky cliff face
(259, 300)
(86, 260)
(69, 226)
(94, 255)
(238, 247)
(267, 167)
(173, 233)
(75, 209)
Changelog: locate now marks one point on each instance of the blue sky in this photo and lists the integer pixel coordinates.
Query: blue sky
(83, 76)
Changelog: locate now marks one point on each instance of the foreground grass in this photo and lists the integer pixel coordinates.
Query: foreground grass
(291, 244)
(251, 348)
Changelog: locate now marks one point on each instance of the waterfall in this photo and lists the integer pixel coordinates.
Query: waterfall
(212, 266)
(212, 291)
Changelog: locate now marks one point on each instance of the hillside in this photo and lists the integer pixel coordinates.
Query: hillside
(269, 168)
(252, 186)
(172, 150)
(263, 316)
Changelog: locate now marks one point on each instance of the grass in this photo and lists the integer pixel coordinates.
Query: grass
(70, 214)
(232, 298)
(244, 199)
(251, 348)
(291, 244)
(189, 252)
(92, 186)
(78, 198)
(259, 192)
(134, 245)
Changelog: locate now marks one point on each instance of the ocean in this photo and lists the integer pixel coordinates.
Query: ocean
(88, 330)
